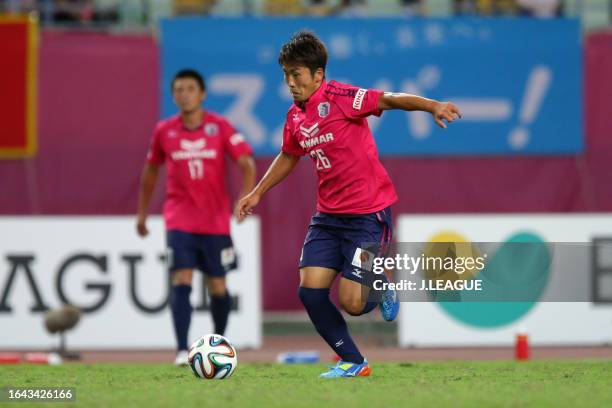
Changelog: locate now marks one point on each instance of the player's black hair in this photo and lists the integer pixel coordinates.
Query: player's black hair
(306, 49)
(189, 73)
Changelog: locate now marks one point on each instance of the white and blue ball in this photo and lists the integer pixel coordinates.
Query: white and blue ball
(212, 357)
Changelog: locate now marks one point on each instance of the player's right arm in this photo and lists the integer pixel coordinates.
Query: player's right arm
(280, 168)
(148, 179)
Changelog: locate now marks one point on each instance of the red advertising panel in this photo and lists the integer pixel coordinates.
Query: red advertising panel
(18, 53)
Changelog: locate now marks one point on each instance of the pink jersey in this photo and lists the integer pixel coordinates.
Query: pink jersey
(332, 128)
(196, 197)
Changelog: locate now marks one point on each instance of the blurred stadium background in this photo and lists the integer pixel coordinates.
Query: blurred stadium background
(84, 81)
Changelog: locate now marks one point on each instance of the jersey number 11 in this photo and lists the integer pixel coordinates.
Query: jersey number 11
(196, 169)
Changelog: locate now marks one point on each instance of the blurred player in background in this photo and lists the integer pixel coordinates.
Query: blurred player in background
(328, 122)
(197, 211)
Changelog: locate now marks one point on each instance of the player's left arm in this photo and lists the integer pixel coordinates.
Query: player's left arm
(249, 175)
(441, 111)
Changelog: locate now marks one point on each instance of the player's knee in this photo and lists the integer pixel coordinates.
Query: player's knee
(217, 287)
(181, 280)
(312, 297)
(352, 306)
(217, 292)
(182, 277)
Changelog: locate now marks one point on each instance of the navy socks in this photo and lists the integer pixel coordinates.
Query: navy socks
(220, 309)
(329, 323)
(181, 313)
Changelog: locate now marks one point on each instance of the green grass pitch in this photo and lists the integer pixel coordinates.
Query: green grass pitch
(427, 384)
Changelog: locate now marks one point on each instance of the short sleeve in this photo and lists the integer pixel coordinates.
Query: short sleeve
(360, 103)
(156, 155)
(234, 142)
(290, 144)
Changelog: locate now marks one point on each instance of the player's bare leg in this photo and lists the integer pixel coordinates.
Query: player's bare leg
(316, 277)
(216, 286)
(353, 296)
(181, 311)
(220, 302)
(355, 299)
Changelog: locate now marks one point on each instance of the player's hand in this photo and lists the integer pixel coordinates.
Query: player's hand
(245, 206)
(445, 111)
(141, 228)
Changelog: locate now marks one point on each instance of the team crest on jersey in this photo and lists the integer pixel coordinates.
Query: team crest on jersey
(211, 129)
(323, 109)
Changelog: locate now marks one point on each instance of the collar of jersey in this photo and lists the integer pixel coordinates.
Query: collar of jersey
(314, 98)
(200, 126)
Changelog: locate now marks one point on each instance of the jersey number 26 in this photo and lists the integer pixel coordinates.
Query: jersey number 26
(322, 160)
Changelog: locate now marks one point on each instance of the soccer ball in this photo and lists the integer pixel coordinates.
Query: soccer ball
(212, 357)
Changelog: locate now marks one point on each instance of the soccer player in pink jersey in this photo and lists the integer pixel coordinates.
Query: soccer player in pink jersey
(328, 122)
(193, 145)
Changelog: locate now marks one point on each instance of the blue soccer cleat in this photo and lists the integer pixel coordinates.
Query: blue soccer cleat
(346, 369)
(389, 305)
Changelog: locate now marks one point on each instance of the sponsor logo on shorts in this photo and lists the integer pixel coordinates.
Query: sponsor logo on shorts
(339, 343)
(357, 273)
(362, 258)
(228, 256)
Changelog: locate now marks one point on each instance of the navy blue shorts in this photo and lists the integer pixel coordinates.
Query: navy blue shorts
(212, 254)
(340, 241)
